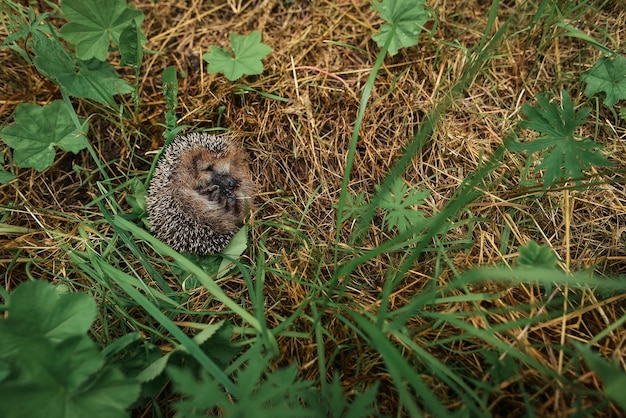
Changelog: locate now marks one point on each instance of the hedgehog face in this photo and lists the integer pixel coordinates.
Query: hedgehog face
(215, 187)
(217, 184)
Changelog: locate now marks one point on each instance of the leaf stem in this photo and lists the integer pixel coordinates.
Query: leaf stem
(367, 90)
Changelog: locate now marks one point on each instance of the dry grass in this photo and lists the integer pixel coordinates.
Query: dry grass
(322, 56)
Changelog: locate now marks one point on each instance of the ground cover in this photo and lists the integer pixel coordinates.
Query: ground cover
(439, 225)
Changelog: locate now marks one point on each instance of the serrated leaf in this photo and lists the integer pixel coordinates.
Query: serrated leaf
(608, 76)
(41, 310)
(93, 24)
(92, 79)
(275, 394)
(38, 130)
(565, 154)
(405, 20)
(535, 255)
(248, 50)
(333, 401)
(56, 370)
(399, 206)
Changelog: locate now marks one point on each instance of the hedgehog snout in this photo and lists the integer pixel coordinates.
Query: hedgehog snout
(224, 181)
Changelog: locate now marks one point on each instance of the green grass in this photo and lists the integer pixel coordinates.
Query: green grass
(432, 307)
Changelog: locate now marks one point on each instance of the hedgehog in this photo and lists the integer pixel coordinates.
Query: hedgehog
(200, 193)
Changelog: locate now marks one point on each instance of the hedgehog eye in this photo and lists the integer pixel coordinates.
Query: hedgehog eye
(209, 169)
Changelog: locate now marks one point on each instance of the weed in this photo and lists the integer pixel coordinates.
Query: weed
(248, 50)
(565, 156)
(37, 130)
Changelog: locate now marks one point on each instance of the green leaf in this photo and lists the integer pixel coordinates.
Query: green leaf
(612, 375)
(39, 309)
(535, 255)
(501, 368)
(335, 403)
(130, 45)
(93, 24)
(565, 154)
(399, 206)
(214, 339)
(55, 369)
(92, 79)
(607, 76)
(38, 130)
(137, 200)
(170, 91)
(262, 394)
(233, 250)
(63, 381)
(248, 50)
(5, 176)
(405, 20)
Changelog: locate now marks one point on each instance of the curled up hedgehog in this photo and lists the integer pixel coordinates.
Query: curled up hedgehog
(200, 193)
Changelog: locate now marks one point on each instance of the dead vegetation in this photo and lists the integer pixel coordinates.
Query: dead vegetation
(322, 56)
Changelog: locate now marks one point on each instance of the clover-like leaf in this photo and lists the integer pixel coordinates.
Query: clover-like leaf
(38, 130)
(405, 20)
(93, 24)
(565, 154)
(248, 50)
(93, 79)
(607, 76)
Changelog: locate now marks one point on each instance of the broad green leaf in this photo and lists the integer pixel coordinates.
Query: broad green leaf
(535, 255)
(405, 20)
(38, 130)
(55, 369)
(41, 310)
(92, 79)
(93, 24)
(130, 45)
(248, 50)
(65, 381)
(564, 154)
(607, 76)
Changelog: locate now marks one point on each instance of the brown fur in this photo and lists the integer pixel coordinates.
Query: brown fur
(193, 174)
